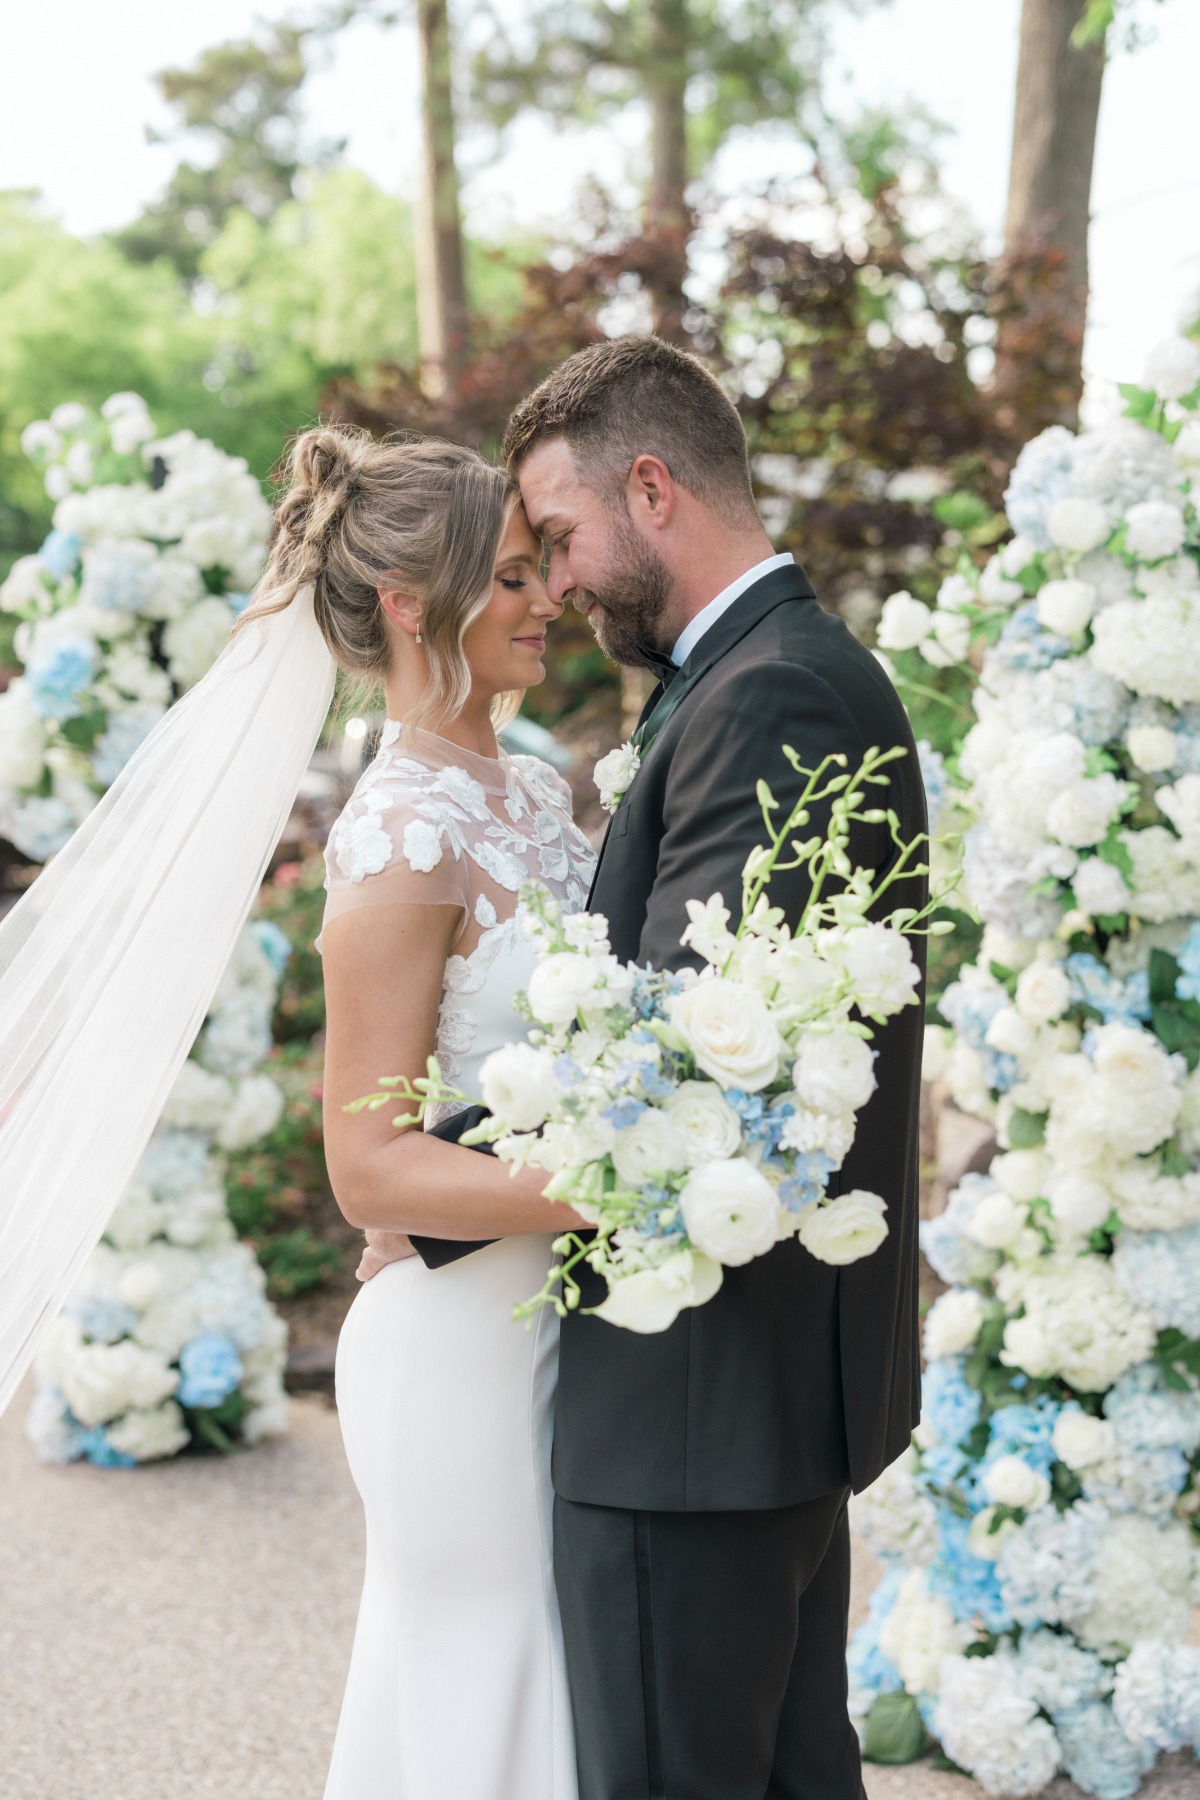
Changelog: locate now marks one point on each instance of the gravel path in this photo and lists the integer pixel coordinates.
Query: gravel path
(181, 1632)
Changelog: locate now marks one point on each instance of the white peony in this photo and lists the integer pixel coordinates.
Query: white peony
(1081, 1439)
(1172, 368)
(518, 1084)
(729, 1031)
(730, 1210)
(1010, 1481)
(650, 1300)
(1153, 748)
(845, 1230)
(834, 1071)
(1066, 606)
(1154, 529)
(1077, 525)
(904, 622)
(953, 1322)
(708, 1128)
(648, 1149)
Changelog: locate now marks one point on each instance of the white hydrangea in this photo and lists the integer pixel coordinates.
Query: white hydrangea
(895, 1516)
(1077, 1322)
(1172, 368)
(989, 1724)
(1142, 1582)
(919, 1633)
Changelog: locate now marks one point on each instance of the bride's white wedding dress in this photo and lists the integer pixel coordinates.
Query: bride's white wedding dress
(456, 1689)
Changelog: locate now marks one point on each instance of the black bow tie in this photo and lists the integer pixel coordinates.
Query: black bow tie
(657, 661)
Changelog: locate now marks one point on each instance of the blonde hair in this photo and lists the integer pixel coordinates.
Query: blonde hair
(355, 514)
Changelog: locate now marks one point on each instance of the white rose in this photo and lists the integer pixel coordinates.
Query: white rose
(949, 640)
(1043, 992)
(1077, 525)
(996, 1222)
(903, 623)
(1153, 748)
(1172, 368)
(648, 1148)
(1154, 529)
(1099, 887)
(651, 1299)
(730, 1210)
(730, 1032)
(1080, 1440)
(847, 1229)
(953, 1321)
(1011, 1482)
(708, 1128)
(518, 1084)
(834, 1071)
(1011, 1032)
(148, 1433)
(1066, 606)
(982, 1541)
(614, 773)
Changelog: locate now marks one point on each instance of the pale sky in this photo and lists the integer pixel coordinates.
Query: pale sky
(78, 93)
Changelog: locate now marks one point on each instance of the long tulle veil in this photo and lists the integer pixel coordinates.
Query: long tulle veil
(108, 964)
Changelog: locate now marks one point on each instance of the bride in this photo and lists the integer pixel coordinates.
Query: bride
(425, 575)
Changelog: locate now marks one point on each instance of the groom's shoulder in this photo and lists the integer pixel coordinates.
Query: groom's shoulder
(798, 648)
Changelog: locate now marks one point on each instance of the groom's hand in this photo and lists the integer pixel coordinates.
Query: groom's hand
(383, 1247)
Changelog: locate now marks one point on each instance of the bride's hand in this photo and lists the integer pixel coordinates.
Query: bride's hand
(383, 1247)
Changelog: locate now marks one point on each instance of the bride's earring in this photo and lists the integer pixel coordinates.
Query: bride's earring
(418, 634)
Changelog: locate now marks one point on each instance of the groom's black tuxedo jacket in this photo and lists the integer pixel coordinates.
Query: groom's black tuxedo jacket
(797, 1378)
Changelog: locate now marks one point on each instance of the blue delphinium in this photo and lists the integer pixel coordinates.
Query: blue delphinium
(1160, 1272)
(1097, 1754)
(210, 1370)
(624, 1112)
(949, 1404)
(56, 679)
(1187, 987)
(273, 944)
(60, 553)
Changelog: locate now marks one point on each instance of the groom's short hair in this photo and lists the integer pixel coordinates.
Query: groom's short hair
(639, 396)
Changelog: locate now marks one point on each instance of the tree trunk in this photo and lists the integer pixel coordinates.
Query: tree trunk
(668, 220)
(1043, 275)
(441, 283)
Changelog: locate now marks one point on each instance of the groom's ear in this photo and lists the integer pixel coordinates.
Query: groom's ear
(650, 493)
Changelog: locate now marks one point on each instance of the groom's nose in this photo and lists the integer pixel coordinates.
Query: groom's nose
(559, 584)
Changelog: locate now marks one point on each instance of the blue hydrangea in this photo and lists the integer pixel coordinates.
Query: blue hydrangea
(1025, 1430)
(95, 1446)
(239, 602)
(971, 1010)
(210, 1369)
(949, 1404)
(933, 774)
(1160, 1272)
(1045, 1567)
(40, 826)
(966, 1582)
(1040, 476)
(173, 1162)
(119, 579)
(100, 1316)
(57, 679)
(124, 733)
(61, 552)
(1100, 705)
(1097, 1754)
(1118, 1002)
(1187, 987)
(952, 1255)
(1149, 1416)
(871, 1672)
(1024, 642)
(1144, 1481)
(273, 944)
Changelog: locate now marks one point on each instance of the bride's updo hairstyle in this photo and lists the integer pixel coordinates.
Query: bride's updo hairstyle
(414, 513)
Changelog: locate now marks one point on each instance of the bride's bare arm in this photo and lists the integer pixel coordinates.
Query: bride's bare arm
(384, 967)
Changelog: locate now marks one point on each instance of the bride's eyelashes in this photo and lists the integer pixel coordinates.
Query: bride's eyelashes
(513, 582)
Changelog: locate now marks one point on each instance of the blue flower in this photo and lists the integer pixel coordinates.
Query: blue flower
(273, 944)
(933, 774)
(120, 579)
(95, 1446)
(239, 602)
(1025, 1430)
(966, 1582)
(1024, 642)
(567, 1071)
(749, 1108)
(1118, 1002)
(61, 552)
(56, 679)
(871, 1672)
(1160, 1272)
(124, 733)
(1097, 1754)
(949, 1404)
(210, 1368)
(624, 1112)
(1041, 475)
(100, 1317)
(1187, 987)
(971, 1010)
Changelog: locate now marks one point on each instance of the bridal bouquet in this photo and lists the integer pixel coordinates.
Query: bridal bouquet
(694, 1119)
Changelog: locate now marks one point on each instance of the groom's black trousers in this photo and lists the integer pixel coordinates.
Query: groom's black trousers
(706, 1651)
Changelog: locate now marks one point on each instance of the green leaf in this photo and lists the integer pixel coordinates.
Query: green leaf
(1026, 1130)
(1164, 973)
(1140, 402)
(83, 730)
(1114, 851)
(895, 1732)
(962, 511)
(1098, 761)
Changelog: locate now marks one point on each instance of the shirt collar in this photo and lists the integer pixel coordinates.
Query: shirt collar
(708, 615)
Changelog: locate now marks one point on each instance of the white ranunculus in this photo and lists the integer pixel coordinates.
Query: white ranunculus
(518, 1084)
(1154, 529)
(650, 1300)
(847, 1229)
(565, 984)
(1066, 606)
(648, 1149)
(996, 1222)
(953, 1321)
(1010, 1481)
(1099, 887)
(149, 1433)
(708, 1127)
(834, 1071)
(1172, 368)
(1011, 1032)
(256, 1109)
(1153, 748)
(1080, 1439)
(903, 623)
(730, 1032)
(614, 773)
(1043, 992)
(1077, 525)
(730, 1210)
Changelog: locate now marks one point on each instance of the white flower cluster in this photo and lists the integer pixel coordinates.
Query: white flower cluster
(156, 542)
(169, 1332)
(1061, 1413)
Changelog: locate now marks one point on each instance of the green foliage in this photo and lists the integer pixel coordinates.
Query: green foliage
(1026, 1130)
(1178, 1358)
(895, 1733)
(1176, 1023)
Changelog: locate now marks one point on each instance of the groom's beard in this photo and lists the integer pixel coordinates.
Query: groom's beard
(628, 606)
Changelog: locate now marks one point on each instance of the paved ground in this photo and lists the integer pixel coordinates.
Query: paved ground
(182, 1632)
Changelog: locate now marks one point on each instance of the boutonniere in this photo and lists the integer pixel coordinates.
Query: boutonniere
(614, 773)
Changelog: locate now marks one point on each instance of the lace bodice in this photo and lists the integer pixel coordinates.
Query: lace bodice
(431, 824)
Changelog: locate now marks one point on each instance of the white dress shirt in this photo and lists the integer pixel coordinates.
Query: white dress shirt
(708, 615)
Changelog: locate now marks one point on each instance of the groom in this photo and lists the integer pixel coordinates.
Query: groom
(701, 1475)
